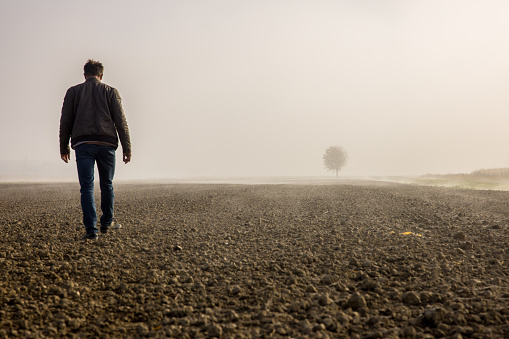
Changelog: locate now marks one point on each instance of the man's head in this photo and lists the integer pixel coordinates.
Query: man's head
(93, 69)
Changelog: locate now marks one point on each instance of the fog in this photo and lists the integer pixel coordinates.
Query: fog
(261, 88)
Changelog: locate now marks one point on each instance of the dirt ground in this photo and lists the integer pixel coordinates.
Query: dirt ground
(257, 261)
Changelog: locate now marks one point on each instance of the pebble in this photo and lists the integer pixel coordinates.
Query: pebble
(366, 263)
(143, 330)
(324, 300)
(410, 298)
(409, 332)
(305, 326)
(327, 280)
(356, 302)
(214, 331)
(235, 290)
(291, 280)
(433, 316)
(425, 296)
(353, 262)
(311, 289)
(460, 236)
(467, 245)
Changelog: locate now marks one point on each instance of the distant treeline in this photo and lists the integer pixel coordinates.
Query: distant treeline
(480, 174)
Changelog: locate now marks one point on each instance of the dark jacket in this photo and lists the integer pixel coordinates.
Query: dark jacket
(92, 112)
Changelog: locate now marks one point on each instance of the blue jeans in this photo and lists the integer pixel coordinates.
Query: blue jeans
(86, 157)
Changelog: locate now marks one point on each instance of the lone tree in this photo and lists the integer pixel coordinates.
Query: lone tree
(335, 158)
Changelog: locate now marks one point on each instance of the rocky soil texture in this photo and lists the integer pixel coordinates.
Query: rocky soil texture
(257, 261)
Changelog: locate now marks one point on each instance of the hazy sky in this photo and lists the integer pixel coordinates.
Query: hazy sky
(243, 88)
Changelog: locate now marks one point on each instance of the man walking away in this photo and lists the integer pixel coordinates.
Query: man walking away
(93, 118)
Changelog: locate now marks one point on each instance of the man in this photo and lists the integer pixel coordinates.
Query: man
(92, 115)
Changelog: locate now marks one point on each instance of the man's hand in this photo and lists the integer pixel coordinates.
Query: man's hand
(65, 157)
(126, 157)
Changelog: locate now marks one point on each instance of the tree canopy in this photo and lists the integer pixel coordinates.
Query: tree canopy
(335, 158)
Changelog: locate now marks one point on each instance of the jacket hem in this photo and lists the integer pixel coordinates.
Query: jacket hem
(90, 138)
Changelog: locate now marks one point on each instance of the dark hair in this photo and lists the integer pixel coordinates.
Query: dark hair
(93, 68)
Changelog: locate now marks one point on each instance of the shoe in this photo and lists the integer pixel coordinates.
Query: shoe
(90, 236)
(104, 229)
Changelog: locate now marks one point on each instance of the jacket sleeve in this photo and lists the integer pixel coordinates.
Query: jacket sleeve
(66, 122)
(120, 121)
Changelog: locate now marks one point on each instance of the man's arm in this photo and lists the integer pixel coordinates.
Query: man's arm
(120, 122)
(66, 124)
